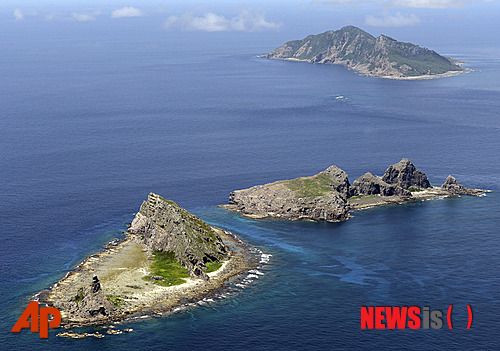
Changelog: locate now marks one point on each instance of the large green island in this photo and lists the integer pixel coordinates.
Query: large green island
(381, 56)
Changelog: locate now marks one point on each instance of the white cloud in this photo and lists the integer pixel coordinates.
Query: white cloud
(388, 20)
(431, 4)
(171, 21)
(339, 2)
(85, 17)
(18, 14)
(210, 22)
(127, 11)
(246, 20)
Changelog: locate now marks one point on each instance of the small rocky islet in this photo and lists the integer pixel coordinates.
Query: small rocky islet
(329, 196)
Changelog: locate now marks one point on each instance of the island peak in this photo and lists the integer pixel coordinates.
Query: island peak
(162, 225)
(382, 57)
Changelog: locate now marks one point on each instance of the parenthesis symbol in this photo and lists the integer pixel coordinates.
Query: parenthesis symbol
(448, 316)
(469, 310)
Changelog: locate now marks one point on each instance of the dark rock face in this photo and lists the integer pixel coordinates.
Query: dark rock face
(454, 187)
(339, 178)
(93, 303)
(405, 175)
(368, 184)
(163, 225)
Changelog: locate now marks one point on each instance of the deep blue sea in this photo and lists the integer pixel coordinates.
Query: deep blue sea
(90, 127)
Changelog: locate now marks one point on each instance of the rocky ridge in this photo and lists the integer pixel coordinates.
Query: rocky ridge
(358, 50)
(162, 225)
(329, 196)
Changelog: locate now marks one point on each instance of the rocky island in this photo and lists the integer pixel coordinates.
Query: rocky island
(357, 50)
(170, 256)
(329, 196)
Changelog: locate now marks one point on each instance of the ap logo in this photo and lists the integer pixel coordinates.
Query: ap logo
(35, 314)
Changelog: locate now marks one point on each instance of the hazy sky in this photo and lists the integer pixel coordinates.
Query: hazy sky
(407, 20)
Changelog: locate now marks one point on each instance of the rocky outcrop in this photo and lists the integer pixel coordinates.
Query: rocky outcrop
(163, 225)
(277, 200)
(368, 184)
(405, 175)
(377, 57)
(329, 196)
(320, 197)
(339, 180)
(91, 303)
(454, 187)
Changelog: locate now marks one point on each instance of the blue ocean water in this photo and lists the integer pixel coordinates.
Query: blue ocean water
(89, 128)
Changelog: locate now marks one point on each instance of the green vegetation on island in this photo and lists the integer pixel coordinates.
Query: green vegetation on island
(317, 185)
(117, 301)
(167, 267)
(360, 51)
(171, 271)
(414, 189)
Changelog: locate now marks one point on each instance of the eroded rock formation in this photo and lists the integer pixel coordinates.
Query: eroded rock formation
(339, 180)
(405, 175)
(91, 302)
(368, 184)
(454, 187)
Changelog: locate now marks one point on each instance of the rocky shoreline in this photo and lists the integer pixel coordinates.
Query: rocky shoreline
(329, 195)
(363, 72)
(109, 286)
(367, 202)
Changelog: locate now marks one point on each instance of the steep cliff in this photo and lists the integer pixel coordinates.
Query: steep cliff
(163, 225)
(357, 50)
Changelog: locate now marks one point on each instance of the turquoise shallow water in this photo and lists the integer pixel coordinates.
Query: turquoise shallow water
(86, 136)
